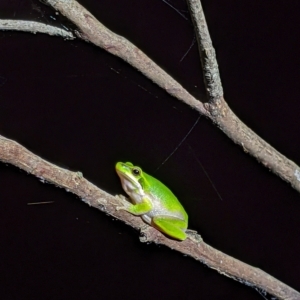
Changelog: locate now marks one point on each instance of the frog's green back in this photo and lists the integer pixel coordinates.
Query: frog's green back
(168, 199)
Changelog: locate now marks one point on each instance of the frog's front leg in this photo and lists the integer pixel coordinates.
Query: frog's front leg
(137, 209)
(171, 226)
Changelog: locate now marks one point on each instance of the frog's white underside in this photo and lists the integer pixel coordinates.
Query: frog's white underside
(137, 194)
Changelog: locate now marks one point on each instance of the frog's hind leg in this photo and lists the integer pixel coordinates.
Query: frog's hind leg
(175, 228)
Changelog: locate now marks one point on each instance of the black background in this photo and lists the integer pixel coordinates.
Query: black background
(79, 107)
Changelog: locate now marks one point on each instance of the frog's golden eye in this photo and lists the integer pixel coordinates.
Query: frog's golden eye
(136, 172)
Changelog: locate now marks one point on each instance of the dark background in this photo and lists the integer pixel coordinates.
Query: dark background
(83, 109)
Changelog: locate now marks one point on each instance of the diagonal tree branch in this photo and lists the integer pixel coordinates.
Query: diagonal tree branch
(91, 30)
(74, 182)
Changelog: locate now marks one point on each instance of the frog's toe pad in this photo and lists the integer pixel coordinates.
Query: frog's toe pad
(121, 208)
(124, 203)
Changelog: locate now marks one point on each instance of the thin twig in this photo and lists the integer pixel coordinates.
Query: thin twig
(74, 182)
(34, 27)
(39, 203)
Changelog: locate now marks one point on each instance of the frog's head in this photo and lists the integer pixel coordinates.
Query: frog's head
(131, 176)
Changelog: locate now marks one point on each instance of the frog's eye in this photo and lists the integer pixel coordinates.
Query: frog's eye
(136, 171)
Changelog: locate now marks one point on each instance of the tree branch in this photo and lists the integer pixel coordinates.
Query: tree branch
(223, 116)
(216, 109)
(34, 27)
(93, 31)
(74, 182)
(207, 53)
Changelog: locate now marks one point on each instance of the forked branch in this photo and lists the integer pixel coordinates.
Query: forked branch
(90, 29)
(215, 108)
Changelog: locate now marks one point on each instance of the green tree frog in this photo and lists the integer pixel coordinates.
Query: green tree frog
(153, 201)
